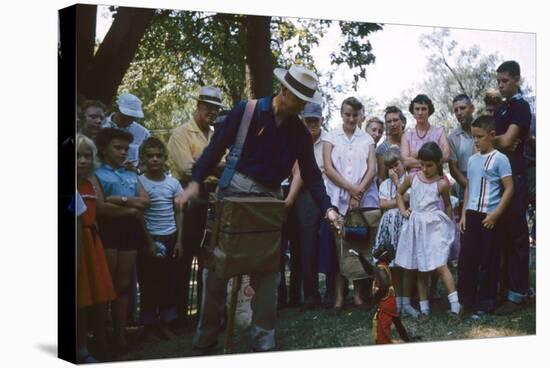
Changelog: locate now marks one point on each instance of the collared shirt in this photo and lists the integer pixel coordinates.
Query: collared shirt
(462, 148)
(269, 151)
(485, 173)
(350, 158)
(117, 182)
(138, 131)
(515, 111)
(318, 151)
(187, 142)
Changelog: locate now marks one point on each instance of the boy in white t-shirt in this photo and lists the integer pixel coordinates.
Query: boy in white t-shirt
(157, 268)
(489, 174)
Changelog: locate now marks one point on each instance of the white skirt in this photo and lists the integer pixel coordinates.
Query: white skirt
(425, 241)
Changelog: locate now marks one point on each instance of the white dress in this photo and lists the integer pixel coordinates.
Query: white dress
(350, 158)
(427, 235)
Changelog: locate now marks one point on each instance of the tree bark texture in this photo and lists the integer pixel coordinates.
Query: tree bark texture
(259, 60)
(100, 75)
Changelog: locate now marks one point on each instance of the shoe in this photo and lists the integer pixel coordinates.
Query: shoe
(409, 310)
(262, 351)
(362, 306)
(453, 318)
(508, 308)
(423, 317)
(87, 359)
(308, 307)
(335, 311)
(207, 350)
(479, 315)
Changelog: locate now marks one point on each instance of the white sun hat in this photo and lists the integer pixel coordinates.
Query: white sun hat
(301, 81)
(211, 95)
(130, 105)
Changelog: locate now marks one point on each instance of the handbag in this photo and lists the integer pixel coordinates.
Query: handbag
(355, 236)
(249, 234)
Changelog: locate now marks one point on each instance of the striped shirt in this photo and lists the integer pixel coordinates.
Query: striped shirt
(485, 173)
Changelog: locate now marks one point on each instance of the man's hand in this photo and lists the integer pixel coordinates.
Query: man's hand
(288, 203)
(191, 191)
(514, 145)
(178, 251)
(462, 224)
(490, 221)
(353, 203)
(334, 219)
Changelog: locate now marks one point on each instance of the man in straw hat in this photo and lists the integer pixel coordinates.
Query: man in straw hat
(129, 110)
(185, 146)
(276, 139)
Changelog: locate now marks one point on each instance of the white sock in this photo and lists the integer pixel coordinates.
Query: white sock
(425, 307)
(453, 300)
(406, 307)
(399, 302)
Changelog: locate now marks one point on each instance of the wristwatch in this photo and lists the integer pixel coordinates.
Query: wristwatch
(124, 200)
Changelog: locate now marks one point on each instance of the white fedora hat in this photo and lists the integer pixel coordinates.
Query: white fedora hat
(130, 105)
(211, 95)
(301, 81)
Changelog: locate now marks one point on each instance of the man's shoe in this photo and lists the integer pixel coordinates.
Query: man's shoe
(508, 308)
(200, 351)
(479, 315)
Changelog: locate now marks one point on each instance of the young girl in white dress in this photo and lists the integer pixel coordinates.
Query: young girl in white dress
(427, 232)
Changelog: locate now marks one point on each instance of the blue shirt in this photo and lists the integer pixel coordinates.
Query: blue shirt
(269, 151)
(117, 182)
(515, 111)
(160, 217)
(485, 173)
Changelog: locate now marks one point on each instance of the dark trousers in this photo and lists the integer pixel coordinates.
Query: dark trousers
(515, 242)
(157, 280)
(194, 223)
(478, 267)
(290, 293)
(308, 217)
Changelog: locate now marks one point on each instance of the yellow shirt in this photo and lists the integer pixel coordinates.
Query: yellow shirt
(185, 145)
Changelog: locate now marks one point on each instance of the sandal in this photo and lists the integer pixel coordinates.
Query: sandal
(454, 319)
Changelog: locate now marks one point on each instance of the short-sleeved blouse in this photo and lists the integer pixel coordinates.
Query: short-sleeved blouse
(349, 157)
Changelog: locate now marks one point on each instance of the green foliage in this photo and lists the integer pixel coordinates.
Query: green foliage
(183, 50)
(452, 71)
(356, 51)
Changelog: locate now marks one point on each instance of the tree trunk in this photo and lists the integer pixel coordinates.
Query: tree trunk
(85, 39)
(104, 73)
(259, 64)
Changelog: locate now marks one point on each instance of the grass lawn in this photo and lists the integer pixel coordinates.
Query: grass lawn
(319, 328)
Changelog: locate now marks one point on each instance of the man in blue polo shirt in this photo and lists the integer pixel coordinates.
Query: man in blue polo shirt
(513, 118)
(276, 139)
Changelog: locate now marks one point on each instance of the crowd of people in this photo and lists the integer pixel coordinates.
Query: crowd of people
(142, 207)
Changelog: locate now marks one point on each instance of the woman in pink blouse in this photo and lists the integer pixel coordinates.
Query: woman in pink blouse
(421, 107)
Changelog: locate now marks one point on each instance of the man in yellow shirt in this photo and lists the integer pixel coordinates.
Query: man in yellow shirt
(184, 148)
(189, 140)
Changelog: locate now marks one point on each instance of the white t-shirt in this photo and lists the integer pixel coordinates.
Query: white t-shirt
(160, 217)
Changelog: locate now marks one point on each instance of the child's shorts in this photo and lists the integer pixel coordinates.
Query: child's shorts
(121, 233)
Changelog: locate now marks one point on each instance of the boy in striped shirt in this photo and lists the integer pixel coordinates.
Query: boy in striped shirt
(488, 193)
